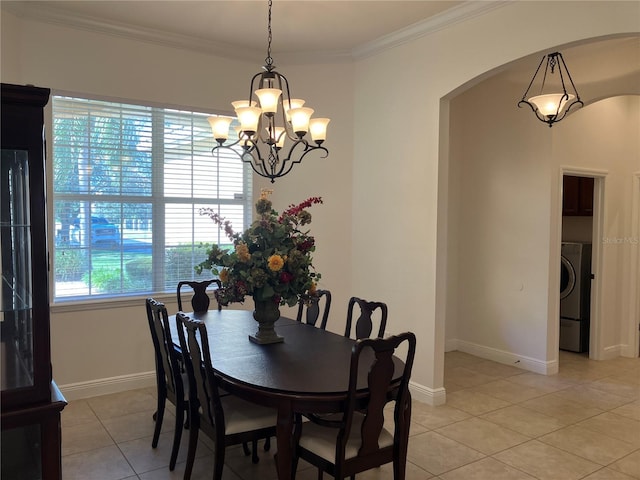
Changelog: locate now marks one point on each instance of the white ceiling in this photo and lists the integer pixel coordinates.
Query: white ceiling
(308, 31)
(311, 28)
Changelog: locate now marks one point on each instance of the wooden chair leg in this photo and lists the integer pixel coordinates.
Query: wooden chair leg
(245, 449)
(267, 444)
(218, 459)
(158, 416)
(193, 444)
(177, 436)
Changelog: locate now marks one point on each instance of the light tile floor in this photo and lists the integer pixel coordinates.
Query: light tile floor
(499, 423)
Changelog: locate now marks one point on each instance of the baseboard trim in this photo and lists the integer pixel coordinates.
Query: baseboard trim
(629, 351)
(508, 358)
(105, 386)
(451, 345)
(430, 396)
(615, 351)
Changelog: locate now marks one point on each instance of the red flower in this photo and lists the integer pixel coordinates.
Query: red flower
(293, 210)
(286, 277)
(305, 246)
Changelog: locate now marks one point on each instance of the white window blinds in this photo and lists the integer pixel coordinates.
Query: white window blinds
(128, 184)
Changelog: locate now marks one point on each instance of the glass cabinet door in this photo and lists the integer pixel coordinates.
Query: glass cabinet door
(25, 352)
(16, 295)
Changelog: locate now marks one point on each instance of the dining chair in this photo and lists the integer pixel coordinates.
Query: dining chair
(200, 301)
(309, 308)
(171, 383)
(356, 440)
(364, 322)
(225, 419)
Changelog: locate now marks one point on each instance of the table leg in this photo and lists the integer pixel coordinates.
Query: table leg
(284, 437)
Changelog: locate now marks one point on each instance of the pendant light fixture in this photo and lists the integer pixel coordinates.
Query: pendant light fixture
(274, 128)
(554, 106)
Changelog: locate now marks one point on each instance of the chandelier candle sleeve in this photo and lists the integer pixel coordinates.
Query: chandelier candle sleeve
(273, 134)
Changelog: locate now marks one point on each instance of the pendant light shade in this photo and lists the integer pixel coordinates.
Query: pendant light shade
(552, 103)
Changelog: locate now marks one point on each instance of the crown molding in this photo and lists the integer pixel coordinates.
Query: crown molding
(457, 14)
(46, 14)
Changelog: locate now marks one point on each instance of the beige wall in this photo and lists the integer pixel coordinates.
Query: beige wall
(400, 181)
(385, 182)
(105, 346)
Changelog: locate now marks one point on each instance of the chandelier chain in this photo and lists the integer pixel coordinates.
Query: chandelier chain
(269, 60)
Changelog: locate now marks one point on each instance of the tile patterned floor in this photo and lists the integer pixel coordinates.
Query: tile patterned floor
(499, 423)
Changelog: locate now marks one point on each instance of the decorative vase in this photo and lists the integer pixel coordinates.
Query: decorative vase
(266, 313)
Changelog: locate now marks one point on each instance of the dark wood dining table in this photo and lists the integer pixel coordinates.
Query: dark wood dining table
(307, 373)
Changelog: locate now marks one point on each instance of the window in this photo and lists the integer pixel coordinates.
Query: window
(128, 185)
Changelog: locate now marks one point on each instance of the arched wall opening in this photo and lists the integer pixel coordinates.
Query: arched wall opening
(502, 207)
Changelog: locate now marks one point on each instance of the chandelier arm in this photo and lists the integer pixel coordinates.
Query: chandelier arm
(532, 80)
(284, 86)
(308, 149)
(564, 88)
(544, 77)
(262, 171)
(566, 110)
(570, 79)
(257, 161)
(262, 166)
(529, 104)
(251, 89)
(283, 83)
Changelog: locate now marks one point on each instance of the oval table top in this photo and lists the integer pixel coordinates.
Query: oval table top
(310, 361)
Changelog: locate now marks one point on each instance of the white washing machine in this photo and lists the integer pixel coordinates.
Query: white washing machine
(575, 296)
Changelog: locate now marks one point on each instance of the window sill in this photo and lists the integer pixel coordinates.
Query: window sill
(113, 302)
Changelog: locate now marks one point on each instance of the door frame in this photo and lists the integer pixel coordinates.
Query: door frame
(633, 348)
(595, 327)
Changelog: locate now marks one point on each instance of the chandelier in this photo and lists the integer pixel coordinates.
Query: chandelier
(272, 136)
(552, 107)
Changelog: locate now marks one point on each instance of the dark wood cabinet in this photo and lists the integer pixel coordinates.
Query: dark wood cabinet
(30, 401)
(577, 196)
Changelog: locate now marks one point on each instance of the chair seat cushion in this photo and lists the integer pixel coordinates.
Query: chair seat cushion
(242, 416)
(322, 440)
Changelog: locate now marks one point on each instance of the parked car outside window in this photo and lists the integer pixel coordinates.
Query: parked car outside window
(104, 232)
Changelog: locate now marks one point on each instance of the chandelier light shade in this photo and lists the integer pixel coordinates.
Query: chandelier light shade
(551, 107)
(276, 131)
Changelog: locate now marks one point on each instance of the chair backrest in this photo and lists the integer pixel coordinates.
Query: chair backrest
(382, 390)
(311, 306)
(200, 301)
(167, 359)
(203, 391)
(364, 323)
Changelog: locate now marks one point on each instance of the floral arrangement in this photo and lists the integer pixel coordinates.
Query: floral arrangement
(270, 260)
